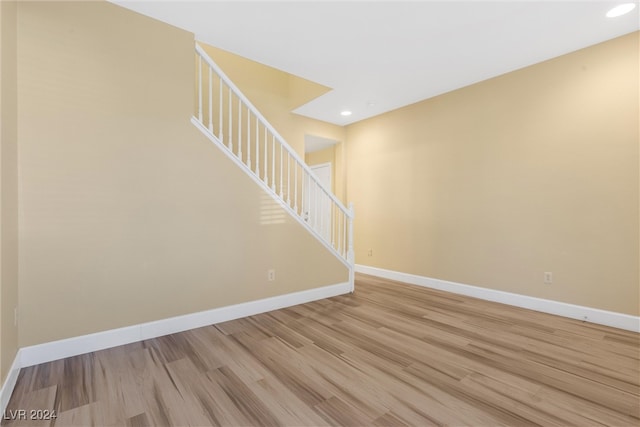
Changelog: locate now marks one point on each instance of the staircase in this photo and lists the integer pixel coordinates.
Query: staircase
(233, 124)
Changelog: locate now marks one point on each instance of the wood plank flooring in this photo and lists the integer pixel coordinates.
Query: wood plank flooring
(388, 355)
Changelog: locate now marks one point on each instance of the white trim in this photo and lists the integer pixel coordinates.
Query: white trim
(593, 315)
(10, 382)
(55, 350)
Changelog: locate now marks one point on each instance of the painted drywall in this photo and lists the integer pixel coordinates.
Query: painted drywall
(9, 188)
(494, 184)
(127, 213)
(326, 155)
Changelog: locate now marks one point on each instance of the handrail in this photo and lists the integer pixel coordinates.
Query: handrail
(320, 211)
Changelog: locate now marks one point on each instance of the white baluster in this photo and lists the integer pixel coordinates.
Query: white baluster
(339, 220)
(302, 193)
(322, 216)
(210, 99)
(332, 221)
(266, 181)
(220, 135)
(310, 205)
(239, 129)
(318, 209)
(326, 221)
(288, 178)
(350, 253)
(281, 168)
(230, 120)
(295, 184)
(248, 137)
(344, 235)
(273, 163)
(315, 205)
(257, 148)
(309, 191)
(200, 88)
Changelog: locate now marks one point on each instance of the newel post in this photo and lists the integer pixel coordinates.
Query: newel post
(350, 252)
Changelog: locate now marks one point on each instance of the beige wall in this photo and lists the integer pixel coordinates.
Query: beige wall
(9, 188)
(127, 213)
(327, 155)
(125, 208)
(494, 184)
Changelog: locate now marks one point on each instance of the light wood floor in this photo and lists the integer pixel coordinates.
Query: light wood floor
(387, 355)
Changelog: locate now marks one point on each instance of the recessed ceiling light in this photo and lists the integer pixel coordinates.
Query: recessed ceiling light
(620, 10)
(345, 113)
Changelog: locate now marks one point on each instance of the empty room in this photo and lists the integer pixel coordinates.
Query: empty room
(319, 213)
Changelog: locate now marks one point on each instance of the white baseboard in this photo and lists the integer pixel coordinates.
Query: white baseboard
(47, 352)
(55, 350)
(10, 382)
(593, 315)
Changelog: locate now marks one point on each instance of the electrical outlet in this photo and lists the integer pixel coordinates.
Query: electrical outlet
(370, 253)
(271, 275)
(548, 277)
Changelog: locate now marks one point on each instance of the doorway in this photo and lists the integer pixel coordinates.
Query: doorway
(317, 205)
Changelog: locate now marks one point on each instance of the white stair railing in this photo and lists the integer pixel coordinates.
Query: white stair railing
(231, 121)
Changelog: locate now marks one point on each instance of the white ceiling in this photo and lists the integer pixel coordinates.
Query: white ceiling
(382, 55)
